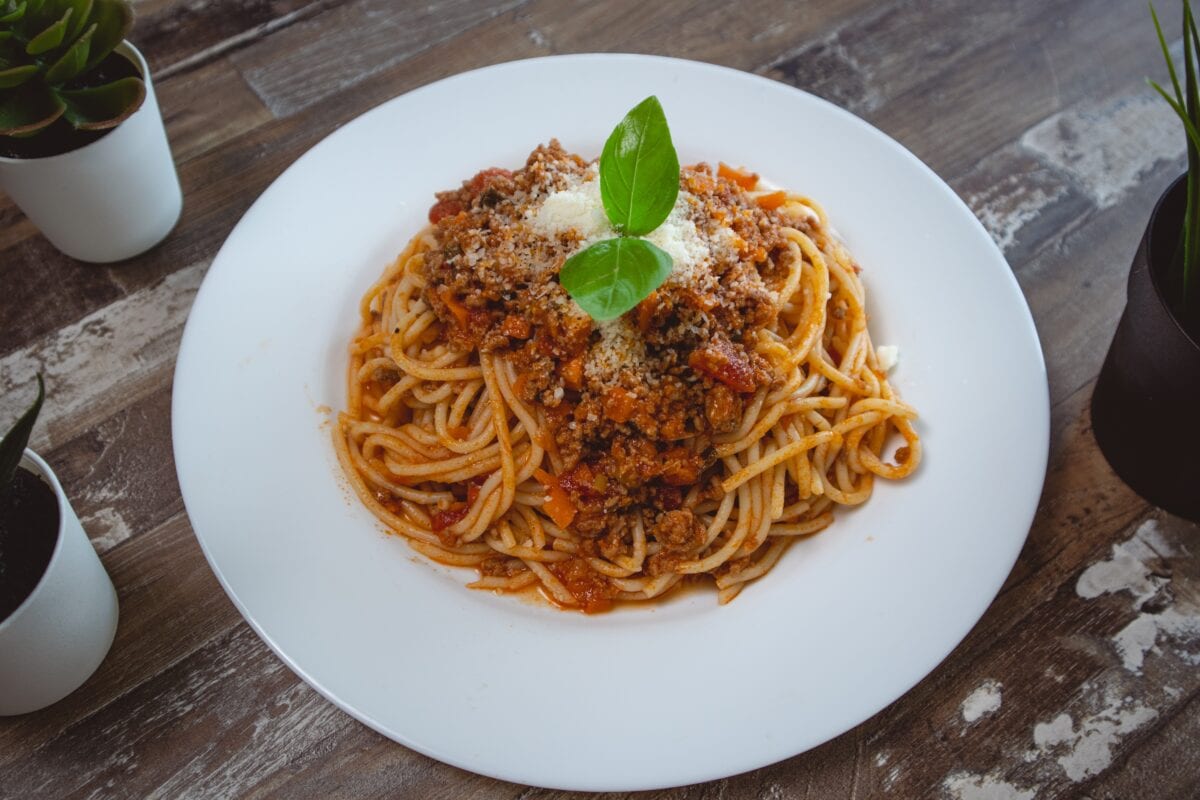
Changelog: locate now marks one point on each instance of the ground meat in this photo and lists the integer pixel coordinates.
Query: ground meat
(590, 589)
(722, 409)
(500, 567)
(679, 531)
(493, 281)
(729, 363)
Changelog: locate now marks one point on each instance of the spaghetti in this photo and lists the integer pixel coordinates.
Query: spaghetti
(496, 426)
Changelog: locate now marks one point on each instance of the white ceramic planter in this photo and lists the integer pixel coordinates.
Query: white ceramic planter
(115, 198)
(61, 633)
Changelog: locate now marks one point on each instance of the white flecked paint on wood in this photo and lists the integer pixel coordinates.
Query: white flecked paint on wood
(1107, 147)
(106, 360)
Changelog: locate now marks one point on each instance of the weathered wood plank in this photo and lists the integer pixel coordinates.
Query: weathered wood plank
(1021, 201)
(41, 286)
(219, 186)
(231, 697)
(330, 53)
(114, 356)
(734, 35)
(1034, 111)
(230, 108)
(915, 87)
(1156, 762)
(171, 605)
(178, 32)
(119, 486)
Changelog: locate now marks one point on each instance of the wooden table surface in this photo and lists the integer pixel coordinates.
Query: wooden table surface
(1080, 681)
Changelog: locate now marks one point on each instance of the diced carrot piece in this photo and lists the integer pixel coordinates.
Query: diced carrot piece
(645, 311)
(460, 312)
(577, 480)
(619, 404)
(720, 360)
(680, 467)
(772, 201)
(518, 386)
(704, 302)
(744, 179)
(572, 373)
(558, 505)
(516, 327)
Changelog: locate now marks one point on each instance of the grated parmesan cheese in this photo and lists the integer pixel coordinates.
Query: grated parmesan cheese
(887, 355)
(578, 208)
(620, 346)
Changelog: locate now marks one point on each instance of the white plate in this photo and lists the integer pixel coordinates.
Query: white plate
(644, 697)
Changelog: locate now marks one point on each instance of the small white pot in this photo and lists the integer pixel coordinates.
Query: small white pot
(60, 634)
(107, 201)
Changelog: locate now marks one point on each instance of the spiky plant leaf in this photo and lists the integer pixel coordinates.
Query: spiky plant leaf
(13, 445)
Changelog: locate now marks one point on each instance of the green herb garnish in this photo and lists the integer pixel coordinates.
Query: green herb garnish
(1186, 103)
(639, 171)
(639, 182)
(612, 276)
(12, 446)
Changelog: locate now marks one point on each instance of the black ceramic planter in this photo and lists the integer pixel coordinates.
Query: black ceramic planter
(1144, 408)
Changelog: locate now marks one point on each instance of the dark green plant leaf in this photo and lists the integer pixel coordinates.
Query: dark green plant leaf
(1186, 104)
(12, 12)
(612, 276)
(82, 9)
(15, 76)
(39, 14)
(1193, 133)
(639, 170)
(113, 20)
(28, 109)
(12, 446)
(51, 37)
(101, 107)
(72, 61)
(1191, 253)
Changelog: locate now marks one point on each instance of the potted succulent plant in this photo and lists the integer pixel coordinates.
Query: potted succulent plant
(1144, 404)
(83, 150)
(58, 609)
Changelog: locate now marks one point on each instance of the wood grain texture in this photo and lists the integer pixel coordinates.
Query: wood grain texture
(1034, 111)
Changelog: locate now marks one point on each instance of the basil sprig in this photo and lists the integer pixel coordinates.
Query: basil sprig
(612, 276)
(639, 171)
(639, 183)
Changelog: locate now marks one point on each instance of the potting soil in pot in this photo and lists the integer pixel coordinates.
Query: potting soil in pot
(28, 533)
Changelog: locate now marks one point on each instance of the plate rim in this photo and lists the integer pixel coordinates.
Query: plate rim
(700, 773)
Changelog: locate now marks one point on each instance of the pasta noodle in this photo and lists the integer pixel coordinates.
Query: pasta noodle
(450, 447)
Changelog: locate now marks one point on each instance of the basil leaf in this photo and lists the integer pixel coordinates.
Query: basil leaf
(612, 276)
(639, 170)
